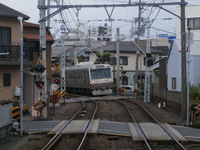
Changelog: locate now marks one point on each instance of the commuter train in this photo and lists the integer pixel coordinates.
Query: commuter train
(87, 78)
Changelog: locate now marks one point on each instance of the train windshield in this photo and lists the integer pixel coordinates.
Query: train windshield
(100, 73)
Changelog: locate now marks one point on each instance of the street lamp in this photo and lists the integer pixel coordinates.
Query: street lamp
(21, 75)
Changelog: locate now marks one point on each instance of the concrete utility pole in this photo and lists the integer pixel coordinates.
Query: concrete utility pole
(183, 64)
(147, 71)
(63, 81)
(137, 51)
(43, 53)
(117, 60)
(188, 76)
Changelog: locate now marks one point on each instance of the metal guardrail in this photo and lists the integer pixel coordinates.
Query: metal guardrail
(5, 114)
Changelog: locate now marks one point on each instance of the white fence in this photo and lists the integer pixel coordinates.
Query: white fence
(5, 114)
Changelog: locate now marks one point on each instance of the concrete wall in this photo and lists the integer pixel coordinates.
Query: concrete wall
(174, 68)
(7, 93)
(5, 120)
(173, 96)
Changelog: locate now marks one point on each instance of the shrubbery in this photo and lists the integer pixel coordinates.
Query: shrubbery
(195, 94)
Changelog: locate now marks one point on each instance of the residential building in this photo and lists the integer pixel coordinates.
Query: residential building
(174, 69)
(10, 56)
(127, 54)
(192, 20)
(170, 93)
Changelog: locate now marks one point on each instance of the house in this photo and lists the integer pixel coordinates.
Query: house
(173, 60)
(192, 20)
(127, 50)
(174, 66)
(10, 56)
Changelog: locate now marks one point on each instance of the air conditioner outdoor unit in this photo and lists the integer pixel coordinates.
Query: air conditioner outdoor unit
(1, 86)
(17, 91)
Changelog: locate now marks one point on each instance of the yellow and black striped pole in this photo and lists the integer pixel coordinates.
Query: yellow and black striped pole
(16, 115)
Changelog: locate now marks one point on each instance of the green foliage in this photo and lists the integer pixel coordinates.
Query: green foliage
(114, 88)
(194, 94)
(81, 58)
(102, 58)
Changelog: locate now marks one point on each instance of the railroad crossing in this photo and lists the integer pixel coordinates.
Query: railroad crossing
(152, 131)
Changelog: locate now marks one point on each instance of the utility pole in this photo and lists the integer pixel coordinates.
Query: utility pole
(48, 12)
(117, 60)
(63, 79)
(183, 64)
(188, 75)
(43, 53)
(137, 51)
(147, 72)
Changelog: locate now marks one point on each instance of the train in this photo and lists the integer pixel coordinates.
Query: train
(88, 78)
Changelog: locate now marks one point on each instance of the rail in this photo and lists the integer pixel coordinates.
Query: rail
(179, 144)
(58, 135)
(87, 127)
(137, 124)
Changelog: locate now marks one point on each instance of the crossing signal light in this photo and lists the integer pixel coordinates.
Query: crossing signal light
(39, 84)
(38, 68)
(57, 81)
(56, 75)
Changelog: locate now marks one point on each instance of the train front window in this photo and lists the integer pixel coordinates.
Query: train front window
(100, 73)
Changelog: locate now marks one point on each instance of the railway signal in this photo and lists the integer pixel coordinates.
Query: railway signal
(57, 81)
(39, 68)
(39, 84)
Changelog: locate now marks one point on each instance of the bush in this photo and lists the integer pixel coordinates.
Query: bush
(114, 88)
(194, 93)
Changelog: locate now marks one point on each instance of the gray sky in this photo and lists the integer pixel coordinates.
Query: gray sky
(29, 7)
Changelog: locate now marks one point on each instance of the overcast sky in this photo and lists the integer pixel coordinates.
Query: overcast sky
(29, 7)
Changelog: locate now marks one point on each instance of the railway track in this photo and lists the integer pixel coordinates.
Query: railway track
(90, 110)
(143, 111)
(59, 134)
(55, 140)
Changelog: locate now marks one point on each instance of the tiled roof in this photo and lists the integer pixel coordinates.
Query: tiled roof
(28, 24)
(128, 47)
(33, 25)
(7, 12)
(35, 36)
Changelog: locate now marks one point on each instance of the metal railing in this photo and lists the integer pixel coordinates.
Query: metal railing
(12, 52)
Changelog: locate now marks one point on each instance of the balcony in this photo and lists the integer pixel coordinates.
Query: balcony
(12, 54)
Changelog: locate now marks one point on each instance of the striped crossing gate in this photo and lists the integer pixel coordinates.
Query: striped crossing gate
(16, 115)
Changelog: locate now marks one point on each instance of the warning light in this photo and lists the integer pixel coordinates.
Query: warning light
(57, 81)
(39, 84)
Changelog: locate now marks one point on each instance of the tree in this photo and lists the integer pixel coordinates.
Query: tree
(102, 58)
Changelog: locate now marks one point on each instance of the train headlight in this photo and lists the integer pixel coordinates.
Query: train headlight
(93, 81)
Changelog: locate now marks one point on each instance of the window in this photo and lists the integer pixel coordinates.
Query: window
(194, 23)
(123, 60)
(100, 73)
(5, 38)
(174, 83)
(5, 35)
(6, 79)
